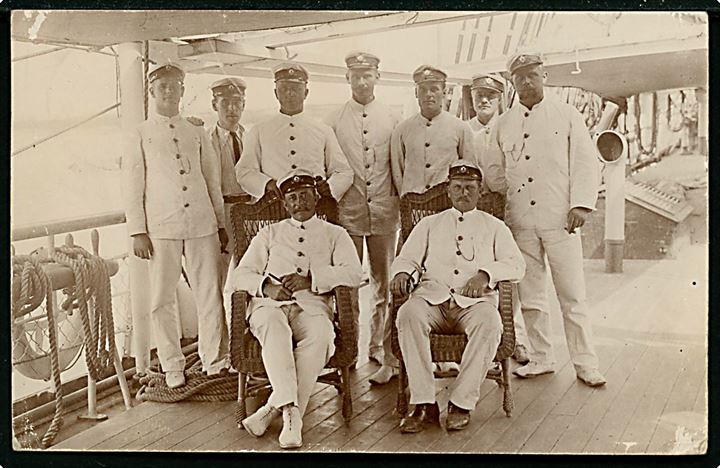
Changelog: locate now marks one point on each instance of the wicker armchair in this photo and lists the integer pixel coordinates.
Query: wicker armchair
(449, 347)
(245, 350)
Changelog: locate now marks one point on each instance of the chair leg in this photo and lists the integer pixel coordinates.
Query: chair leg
(402, 399)
(508, 403)
(240, 411)
(346, 394)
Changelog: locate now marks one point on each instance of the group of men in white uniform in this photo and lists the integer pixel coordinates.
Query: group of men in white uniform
(180, 181)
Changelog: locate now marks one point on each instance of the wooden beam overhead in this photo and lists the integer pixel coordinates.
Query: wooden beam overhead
(100, 28)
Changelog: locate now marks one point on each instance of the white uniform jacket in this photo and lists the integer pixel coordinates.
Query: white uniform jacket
(546, 161)
(284, 143)
(172, 180)
(446, 249)
(315, 246)
(223, 148)
(371, 205)
(422, 150)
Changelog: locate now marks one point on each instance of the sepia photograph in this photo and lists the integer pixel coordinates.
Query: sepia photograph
(336, 231)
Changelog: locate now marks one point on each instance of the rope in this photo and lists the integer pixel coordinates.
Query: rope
(91, 289)
(43, 140)
(35, 288)
(198, 386)
(654, 128)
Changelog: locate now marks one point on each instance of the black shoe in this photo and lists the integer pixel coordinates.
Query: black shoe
(457, 418)
(423, 413)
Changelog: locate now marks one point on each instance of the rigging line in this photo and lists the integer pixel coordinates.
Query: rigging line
(43, 140)
(37, 54)
(61, 45)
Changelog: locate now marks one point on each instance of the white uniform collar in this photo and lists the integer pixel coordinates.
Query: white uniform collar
(361, 107)
(457, 213)
(162, 119)
(304, 224)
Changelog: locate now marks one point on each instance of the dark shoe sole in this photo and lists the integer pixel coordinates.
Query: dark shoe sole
(457, 428)
(532, 376)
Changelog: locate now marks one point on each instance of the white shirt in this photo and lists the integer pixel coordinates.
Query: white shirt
(284, 143)
(446, 249)
(481, 141)
(371, 205)
(314, 246)
(422, 150)
(546, 161)
(223, 145)
(172, 180)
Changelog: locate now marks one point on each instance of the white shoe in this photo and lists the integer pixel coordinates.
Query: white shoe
(534, 369)
(291, 434)
(384, 375)
(591, 377)
(260, 420)
(174, 379)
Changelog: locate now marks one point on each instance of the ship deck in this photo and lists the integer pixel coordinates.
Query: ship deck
(650, 334)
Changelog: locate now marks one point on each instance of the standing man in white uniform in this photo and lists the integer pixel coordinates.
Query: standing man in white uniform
(543, 157)
(292, 140)
(174, 208)
(486, 92)
(458, 255)
(227, 140)
(288, 269)
(424, 145)
(369, 210)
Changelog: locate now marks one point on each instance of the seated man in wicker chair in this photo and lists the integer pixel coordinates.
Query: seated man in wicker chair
(287, 269)
(458, 255)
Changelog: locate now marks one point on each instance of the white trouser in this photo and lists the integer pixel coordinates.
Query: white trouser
(292, 372)
(381, 252)
(201, 262)
(565, 259)
(482, 325)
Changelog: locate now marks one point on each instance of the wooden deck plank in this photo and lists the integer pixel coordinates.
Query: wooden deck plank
(606, 435)
(638, 432)
(577, 435)
(525, 424)
(485, 437)
(344, 435)
(222, 424)
(140, 430)
(189, 413)
(113, 426)
(315, 437)
(174, 439)
(547, 434)
(677, 422)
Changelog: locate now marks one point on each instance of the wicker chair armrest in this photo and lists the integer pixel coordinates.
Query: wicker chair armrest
(346, 309)
(505, 306)
(238, 325)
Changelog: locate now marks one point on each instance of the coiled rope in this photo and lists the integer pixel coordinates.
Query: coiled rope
(35, 287)
(90, 294)
(91, 290)
(198, 386)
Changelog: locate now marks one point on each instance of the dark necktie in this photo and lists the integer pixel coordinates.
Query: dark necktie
(236, 145)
